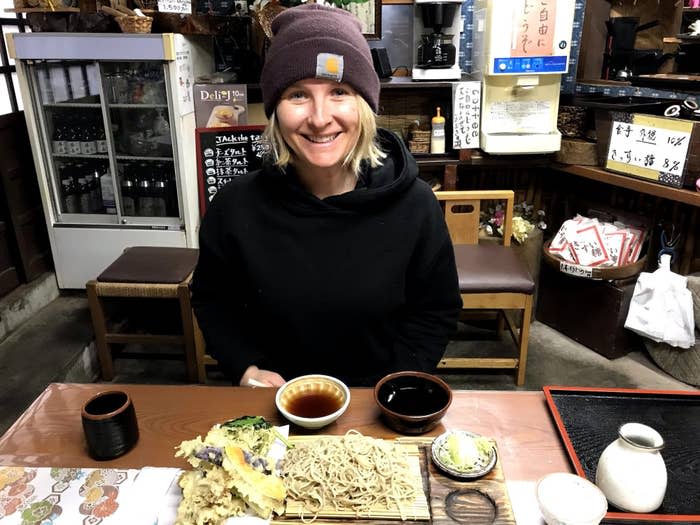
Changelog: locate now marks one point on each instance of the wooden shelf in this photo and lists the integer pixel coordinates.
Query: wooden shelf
(632, 183)
(484, 160)
(408, 82)
(43, 10)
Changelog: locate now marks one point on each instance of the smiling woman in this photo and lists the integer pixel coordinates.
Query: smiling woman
(334, 258)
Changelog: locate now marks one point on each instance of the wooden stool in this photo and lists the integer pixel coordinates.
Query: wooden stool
(203, 359)
(146, 273)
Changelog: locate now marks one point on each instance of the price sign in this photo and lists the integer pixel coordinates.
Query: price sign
(650, 147)
(576, 270)
(466, 111)
(175, 6)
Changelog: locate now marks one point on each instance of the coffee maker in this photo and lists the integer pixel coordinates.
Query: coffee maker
(520, 50)
(436, 29)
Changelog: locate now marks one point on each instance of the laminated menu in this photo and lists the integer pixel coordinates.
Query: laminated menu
(220, 105)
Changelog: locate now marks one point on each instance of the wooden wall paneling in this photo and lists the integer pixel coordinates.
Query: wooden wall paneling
(23, 202)
(667, 12)
(593, 39)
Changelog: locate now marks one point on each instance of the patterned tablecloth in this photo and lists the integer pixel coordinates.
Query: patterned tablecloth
(58, 496)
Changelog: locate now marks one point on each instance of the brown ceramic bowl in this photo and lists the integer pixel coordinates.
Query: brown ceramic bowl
(412, 402)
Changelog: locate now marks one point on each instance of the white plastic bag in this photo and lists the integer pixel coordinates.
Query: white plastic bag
(662, 307)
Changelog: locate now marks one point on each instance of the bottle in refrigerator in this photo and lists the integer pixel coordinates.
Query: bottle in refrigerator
(100, 139)
(128, 192)
(160, 207)
(95, 191)
(145, 198)
(72, 134)
(171, 193)
(84, 193)
(59, 144)
(88, 145)
(107, 189)
(160, 123)
(71, 202)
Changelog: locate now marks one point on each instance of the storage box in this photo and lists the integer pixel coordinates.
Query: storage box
(591, 313)
(220, 105)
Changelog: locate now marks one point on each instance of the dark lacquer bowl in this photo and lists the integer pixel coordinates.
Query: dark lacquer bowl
(412, 402)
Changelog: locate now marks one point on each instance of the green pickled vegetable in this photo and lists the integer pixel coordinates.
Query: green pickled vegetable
(464, 453)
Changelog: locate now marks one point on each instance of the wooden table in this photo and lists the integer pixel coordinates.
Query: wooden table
(49, 433)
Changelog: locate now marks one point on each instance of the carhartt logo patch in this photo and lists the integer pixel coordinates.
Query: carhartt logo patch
(329, 66)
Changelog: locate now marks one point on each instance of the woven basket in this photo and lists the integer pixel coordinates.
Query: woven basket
(420, 136)
(609, 273)
(571, 121)
(265, 16)
(418, 147)
(135, 24)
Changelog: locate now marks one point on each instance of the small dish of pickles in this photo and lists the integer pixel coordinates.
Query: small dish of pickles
(462, 454)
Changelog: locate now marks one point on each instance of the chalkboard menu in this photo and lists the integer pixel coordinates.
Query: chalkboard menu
(223, 154)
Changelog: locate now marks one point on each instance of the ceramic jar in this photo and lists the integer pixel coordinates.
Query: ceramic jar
(631, 472)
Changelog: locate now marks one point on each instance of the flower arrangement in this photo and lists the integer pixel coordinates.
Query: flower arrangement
(525, 220)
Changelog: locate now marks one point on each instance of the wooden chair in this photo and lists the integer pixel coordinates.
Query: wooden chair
(146, 273)
(491, 277)
(203, 359)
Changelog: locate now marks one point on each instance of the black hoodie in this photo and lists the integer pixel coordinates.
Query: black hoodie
(354, 285)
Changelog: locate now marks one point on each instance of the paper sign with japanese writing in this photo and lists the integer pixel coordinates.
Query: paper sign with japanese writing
(650, 147)
(466, 114)
(576, 270)
(175, 6)
(518, 116)
(185, 74)
(533, 28)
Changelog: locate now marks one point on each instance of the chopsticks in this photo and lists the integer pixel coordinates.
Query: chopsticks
(252, 382)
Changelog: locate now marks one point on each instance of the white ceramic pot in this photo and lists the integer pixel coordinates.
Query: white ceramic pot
(631, 472)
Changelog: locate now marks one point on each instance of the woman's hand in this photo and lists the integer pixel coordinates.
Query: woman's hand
(253, 376)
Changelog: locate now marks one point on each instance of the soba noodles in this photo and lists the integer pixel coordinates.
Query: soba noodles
(355, 473)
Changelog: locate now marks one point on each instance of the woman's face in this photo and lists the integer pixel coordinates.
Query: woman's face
(319, 120)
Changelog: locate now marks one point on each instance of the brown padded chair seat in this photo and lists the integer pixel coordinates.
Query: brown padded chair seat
(146, 264)
(499, 269)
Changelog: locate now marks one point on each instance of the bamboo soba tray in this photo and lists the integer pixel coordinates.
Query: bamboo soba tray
(442, 500)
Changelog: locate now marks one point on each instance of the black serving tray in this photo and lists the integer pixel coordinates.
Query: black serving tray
(588, 420)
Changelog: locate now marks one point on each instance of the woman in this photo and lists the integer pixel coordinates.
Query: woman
(333, 258)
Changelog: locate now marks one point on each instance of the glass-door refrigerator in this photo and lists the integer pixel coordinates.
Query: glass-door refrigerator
(111, 121)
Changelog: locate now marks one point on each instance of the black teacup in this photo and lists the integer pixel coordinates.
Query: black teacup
(109, 422)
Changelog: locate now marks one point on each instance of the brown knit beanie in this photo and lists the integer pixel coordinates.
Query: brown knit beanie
(317, 41)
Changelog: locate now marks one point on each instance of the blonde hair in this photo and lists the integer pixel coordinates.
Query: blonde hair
(366, 147)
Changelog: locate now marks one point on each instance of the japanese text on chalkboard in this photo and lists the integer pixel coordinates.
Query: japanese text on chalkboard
(226, 154)
(658, 149)
(466, 110)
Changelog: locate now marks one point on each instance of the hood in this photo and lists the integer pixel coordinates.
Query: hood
(375, 188)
